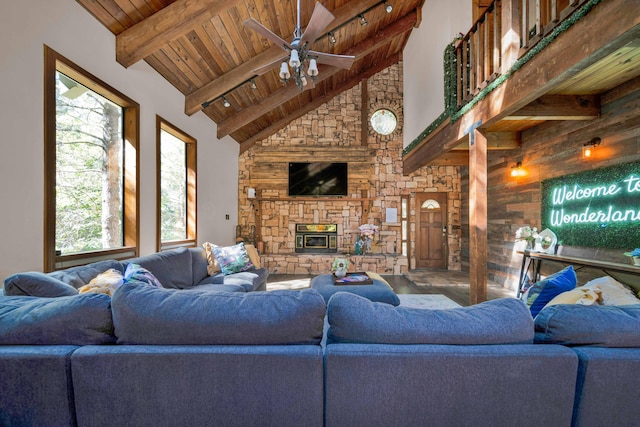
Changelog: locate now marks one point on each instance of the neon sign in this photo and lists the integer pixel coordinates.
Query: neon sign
(596, 208)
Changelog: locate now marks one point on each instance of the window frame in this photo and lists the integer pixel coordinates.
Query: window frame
(55, 62)
(191, 196)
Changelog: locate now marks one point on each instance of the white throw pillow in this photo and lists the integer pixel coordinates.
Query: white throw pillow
(613, 292)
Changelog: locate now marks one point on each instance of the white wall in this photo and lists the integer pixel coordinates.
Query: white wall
(423, 62)
(66, 27)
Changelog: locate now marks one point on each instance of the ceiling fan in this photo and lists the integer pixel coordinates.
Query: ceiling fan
(298, 51)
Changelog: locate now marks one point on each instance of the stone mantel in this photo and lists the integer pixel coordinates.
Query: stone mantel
(321, 263)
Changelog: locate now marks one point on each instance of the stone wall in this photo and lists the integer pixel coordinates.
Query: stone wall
(334, 133)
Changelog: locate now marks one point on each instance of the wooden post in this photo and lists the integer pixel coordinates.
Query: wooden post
(477, 216)
(257, 210)
(364, 112)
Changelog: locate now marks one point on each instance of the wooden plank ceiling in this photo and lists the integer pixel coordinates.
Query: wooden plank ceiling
(203, 49)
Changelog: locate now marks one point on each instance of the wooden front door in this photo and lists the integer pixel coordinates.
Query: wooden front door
(431, 230)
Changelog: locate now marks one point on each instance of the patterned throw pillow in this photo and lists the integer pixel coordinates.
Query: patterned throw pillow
(135, 273)
(233, 259)
(213, 267)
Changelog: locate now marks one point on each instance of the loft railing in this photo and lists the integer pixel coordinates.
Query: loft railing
(539, 17)
(496, 41)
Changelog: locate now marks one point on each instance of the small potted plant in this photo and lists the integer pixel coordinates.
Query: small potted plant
(340, 267)
(635, 256)
(527, 234)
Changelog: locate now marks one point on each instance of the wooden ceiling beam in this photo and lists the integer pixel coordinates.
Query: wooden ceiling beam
(560, 107)
(287, 92)
(615, 28)
(164, 26)
(265, 133)
(497, 141)
(218, 87)
(196, 100)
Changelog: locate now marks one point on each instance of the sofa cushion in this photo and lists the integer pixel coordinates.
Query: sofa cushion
(355, 319)
(75, 320)
(254, 280)
(542, 292)
(233, 259)
(199, 265)
(81, 275)
(601, 326)
(172, 268)
(147, 315)
(34, 283)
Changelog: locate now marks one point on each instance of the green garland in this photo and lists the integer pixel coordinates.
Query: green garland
(451, 76)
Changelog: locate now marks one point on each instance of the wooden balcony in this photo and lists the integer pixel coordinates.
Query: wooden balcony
(503, 81)
(482, 54)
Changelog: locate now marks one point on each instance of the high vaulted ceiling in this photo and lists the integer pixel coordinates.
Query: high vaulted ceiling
(202, 48)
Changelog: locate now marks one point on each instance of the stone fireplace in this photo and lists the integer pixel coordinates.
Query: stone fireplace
(316, 238)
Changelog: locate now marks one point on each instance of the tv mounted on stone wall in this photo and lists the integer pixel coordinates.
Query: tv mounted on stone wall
(318, 179)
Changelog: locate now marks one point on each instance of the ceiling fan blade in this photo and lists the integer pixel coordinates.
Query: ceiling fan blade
(341, 61)
(320, 18)
(267, 67)
(265, 32)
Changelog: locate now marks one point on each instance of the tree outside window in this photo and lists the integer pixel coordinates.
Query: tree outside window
(176, 186)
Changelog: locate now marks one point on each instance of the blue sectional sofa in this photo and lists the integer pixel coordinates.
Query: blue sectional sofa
(183, 268)
(151, 356)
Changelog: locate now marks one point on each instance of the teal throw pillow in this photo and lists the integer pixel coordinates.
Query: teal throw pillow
(233, 259)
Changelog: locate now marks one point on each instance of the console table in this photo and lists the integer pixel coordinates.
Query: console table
(532, 261)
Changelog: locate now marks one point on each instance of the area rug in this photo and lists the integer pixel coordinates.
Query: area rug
(427, 301)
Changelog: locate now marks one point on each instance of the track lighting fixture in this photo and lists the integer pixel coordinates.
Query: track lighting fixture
(388, 8)
(225, 102)
(253, 84)
(363, 21)
(332, 37)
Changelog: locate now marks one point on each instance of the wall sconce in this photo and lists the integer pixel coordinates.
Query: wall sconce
(589, 148)
(251, 193)
(517, 171)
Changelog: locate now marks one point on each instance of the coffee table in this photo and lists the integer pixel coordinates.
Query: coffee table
(378, 291)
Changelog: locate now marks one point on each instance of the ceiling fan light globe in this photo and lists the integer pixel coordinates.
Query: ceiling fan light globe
(313, 67)
(294, 61)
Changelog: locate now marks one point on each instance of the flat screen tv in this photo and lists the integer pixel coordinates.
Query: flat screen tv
(318, 179)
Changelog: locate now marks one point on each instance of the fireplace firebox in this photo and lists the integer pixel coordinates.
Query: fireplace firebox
(316, 238)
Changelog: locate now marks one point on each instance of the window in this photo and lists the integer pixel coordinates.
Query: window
(91, 139)
(176, 166)
(404, 223)
(383, 121)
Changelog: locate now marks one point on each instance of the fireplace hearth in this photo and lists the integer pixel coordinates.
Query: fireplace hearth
(316, 238)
